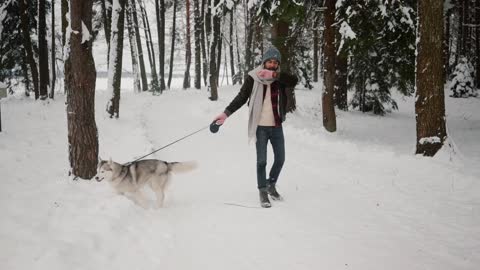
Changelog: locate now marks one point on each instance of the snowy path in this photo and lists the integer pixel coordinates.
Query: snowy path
(353, 200)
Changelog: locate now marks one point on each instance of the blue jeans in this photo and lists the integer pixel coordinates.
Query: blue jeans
(275, 135)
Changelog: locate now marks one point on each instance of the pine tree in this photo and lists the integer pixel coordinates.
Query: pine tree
(430, 100)
(329, 119)
(80, 76)
(44, 82)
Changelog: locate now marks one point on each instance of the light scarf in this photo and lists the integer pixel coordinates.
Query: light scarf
(256, 102)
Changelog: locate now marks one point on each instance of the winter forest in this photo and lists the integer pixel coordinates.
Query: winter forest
(388, 90)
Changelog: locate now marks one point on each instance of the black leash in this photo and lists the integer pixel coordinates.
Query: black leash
(163, 147)
(213, 128)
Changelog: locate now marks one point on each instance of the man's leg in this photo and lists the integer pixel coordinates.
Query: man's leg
(261, 145)
(278, 144)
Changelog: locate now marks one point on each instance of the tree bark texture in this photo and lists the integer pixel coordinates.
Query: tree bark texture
(188, 48)
(80, 76)
(160, 9)
(198, 47)
(230, 46)
(213, 51)
(27, 43)
(143, 73)
(54, 75)
(172, 44)
(430, 100)
(329, 118)
(43, 50)
(116, 53)
(133, 46)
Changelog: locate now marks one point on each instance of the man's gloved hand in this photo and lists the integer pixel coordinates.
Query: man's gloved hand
(267, 74)
(220, 118)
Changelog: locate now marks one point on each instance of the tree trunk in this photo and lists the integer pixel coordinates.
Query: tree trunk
(107, 22)
(27, 44)
(188, 49)
(341, 88)
(258, 44)
(43, 50)
(477, 41)
(430, 100)
(133, 46)
(213, 51)
(239, 61)
(219, 44)
(143, 74)
(54, 75)
(329, 119)
(466, 27)
(316, 40)
(197, 34)
(341, 76)
(80, 76)
(64, 21)
(172, 45)
(25, 73)
(160, 10)
(115, 65)
(151, 51)
(248, 46)
(280, 40)
(203, 42)
(232, 56)
(446, 46)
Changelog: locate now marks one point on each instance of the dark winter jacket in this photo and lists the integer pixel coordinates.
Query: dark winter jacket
(286, 82)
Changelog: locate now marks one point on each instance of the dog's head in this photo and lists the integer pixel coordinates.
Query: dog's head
(104, 169)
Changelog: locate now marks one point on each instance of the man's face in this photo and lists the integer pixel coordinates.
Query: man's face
(271, 64)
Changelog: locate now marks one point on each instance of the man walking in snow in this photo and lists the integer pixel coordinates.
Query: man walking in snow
(270, 95)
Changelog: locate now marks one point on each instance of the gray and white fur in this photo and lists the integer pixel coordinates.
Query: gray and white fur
(129, 179)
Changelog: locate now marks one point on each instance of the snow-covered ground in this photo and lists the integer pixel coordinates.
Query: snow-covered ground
(355, 199)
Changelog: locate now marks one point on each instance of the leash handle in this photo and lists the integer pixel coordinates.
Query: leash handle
(163, 147)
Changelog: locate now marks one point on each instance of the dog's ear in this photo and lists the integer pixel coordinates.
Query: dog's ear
(100, 159)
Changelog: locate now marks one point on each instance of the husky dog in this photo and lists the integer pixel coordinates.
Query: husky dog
(129, 179)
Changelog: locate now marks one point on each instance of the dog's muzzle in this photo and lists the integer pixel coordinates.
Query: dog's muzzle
(99, 179)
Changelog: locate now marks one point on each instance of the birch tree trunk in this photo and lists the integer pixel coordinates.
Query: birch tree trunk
(138, 40)
(188, 49)
(27, 43)
(430, 99)
(329, 119)
(133, 46)
(151, 51)
(115, 64)
(80, 76)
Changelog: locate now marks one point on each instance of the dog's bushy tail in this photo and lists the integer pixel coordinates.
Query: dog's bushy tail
(181, 167)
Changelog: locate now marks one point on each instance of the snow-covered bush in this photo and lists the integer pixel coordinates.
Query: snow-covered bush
(462, 82)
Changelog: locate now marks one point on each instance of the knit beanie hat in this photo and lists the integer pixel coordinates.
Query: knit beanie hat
(272, 53)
